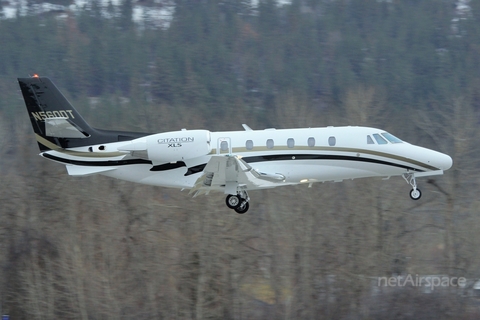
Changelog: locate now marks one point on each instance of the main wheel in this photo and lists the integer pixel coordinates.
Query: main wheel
(233, 201)
(415, 194)
(242, 208)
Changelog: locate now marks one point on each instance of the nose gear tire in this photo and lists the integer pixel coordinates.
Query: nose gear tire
(415, 194)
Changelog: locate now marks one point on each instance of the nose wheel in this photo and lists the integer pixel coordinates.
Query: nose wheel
(238, 202)
(415, 193)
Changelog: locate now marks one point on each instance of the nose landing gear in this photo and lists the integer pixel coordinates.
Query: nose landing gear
(238, 202)
(415, 193)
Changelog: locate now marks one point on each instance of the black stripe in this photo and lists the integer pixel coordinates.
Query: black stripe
(293, 157)
(282, 157)
(168, 166)
(195, 169)
(97, 163)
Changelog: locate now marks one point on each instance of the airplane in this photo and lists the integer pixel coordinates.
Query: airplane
(232, 162)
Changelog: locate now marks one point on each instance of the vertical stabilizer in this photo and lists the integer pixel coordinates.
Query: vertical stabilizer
(55, 121)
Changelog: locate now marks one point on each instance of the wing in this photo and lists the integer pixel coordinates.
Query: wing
(230, 173)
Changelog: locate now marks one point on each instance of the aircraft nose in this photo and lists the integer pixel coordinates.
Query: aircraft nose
(444, 161)
(448, 162)
(436, 160)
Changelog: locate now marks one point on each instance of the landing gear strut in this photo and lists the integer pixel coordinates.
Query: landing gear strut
(415, 193)
(238, 202)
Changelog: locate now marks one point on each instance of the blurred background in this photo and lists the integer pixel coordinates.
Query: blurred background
(98, 248)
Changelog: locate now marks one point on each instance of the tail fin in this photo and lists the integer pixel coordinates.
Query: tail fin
(56, 122)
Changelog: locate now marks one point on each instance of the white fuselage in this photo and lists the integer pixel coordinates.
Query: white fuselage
(300, 155)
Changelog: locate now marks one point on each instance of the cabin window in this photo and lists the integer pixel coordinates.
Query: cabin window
(311, 142)
(332, 141)
(391, 138)
(379, 139)
(290, 143)
(224, 146)
(249, 144)
(370, 140)
(270, 144)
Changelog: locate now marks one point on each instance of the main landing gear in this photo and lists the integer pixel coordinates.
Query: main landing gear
(415, 193)
(238, 202)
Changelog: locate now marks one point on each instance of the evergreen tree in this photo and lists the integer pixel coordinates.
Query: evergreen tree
(126, 15)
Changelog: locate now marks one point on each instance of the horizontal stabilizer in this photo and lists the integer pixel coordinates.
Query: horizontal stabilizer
(62, 127)
(86, 171)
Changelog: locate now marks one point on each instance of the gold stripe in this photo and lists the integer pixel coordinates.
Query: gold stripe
(46, 143)
(338, 149)
(54, 147)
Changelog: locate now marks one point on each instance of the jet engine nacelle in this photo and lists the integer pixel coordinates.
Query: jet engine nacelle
(178, 145)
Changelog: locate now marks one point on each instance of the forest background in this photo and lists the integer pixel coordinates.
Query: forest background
(98, 248)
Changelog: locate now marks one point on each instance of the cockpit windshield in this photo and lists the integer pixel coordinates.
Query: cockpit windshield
(390, 137)
(380, 139)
